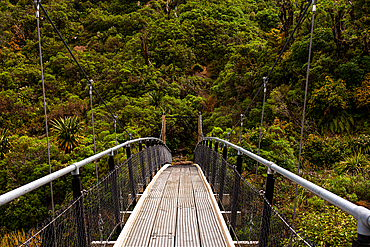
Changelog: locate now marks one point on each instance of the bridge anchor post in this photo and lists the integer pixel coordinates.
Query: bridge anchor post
(266, 213)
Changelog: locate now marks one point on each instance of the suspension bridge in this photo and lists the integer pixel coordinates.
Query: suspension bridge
(146, 200)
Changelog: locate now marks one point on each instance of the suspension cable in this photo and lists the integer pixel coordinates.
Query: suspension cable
(276, 61)
(82, 70)
(241, 129)
(265, 81)
(93, 129)
(304, 107)
(115, 135)
(37, 5)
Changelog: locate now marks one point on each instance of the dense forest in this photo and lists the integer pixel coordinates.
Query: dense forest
(182, 57)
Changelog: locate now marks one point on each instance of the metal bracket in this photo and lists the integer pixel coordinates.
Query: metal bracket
(76, 171)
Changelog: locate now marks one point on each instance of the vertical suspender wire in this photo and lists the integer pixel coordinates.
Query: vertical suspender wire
(241, 129)
(265, 81)
(37, 3)
(100, 223)
(93, 129)
(115, 135)
(304, 110)
(82, 70)
(276, 61)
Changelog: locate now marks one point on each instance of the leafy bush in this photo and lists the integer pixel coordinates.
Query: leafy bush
(274, 146)
(331, 227)
(323, 152)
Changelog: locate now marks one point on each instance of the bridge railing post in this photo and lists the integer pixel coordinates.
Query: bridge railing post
(266, 213)
(361, 241)
(222, 174)
(150, 165)
(131, 175)
(236, 190)
(214, 166)
(115, 197)
(158, 165)
(209, 159)
(142, 166)
(79, 208)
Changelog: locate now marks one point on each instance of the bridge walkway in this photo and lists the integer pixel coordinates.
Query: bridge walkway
(177, 209)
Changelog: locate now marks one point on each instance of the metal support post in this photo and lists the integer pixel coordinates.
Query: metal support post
(236, 190)
(200, 134)
(142, 166)
(131, 175)
(214, 166)
(164, 127)
(209, 159)
(150, 165)
(222, 174)
(361, 241)
(79, 208)
(156, 158)
(115, 197)
(266, 213)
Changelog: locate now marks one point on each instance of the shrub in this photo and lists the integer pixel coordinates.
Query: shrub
(332, 227)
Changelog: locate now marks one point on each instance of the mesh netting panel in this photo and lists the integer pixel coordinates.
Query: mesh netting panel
(243, 205)
(99, 211)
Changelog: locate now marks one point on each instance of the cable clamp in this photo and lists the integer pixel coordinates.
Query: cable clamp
(265, 81)
(90, 86)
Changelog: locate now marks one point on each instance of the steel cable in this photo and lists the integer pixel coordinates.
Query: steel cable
(276, 61)
(304, 106)
(37, 5)
(89, 81)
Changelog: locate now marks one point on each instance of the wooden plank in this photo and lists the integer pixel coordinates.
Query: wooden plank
(187, 233)
(246, 243)
(141, 220)
(163, 232)
(212, 227)
(179, 210)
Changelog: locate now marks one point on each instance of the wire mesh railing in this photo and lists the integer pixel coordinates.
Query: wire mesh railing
(247, 211)
(97, 215)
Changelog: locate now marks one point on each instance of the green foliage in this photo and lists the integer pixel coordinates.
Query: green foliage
(323, 152)
(274, 146)
(207, 56)
(329, 227)
(355, 164)
(5, 145)
(67, 131)
(26, 163)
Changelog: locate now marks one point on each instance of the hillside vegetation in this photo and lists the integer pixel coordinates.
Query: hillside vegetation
(182, 57)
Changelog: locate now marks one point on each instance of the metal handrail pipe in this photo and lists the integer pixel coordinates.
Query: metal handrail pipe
(73, 168)
(361, 214)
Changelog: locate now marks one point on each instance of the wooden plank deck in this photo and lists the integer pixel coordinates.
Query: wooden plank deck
(178, 210)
